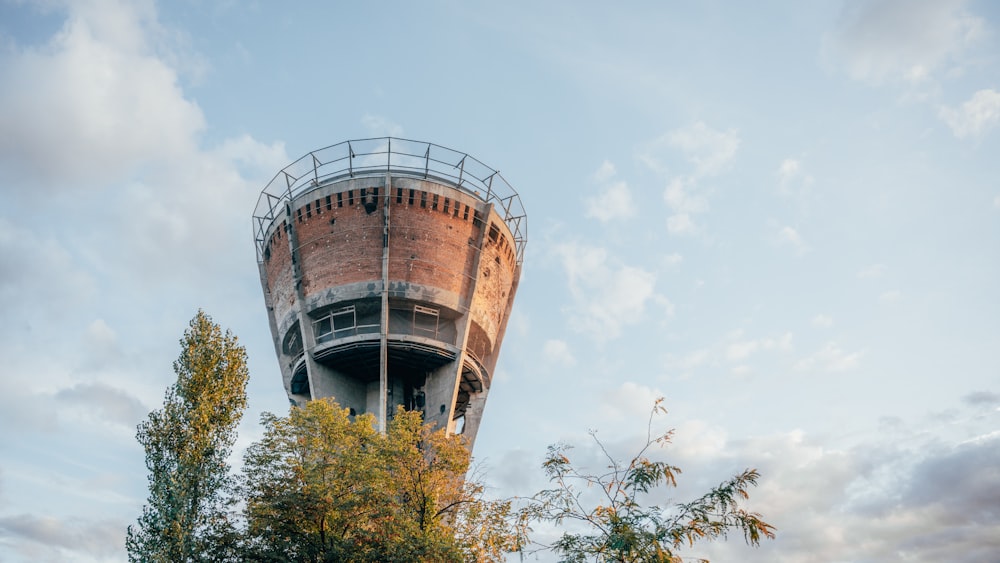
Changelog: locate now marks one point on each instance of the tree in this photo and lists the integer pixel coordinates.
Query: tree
(620, 527)
(320, 486)
(187, 443)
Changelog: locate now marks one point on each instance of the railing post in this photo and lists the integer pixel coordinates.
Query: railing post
(461, 169)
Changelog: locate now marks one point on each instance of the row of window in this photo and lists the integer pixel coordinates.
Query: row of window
(346, 321)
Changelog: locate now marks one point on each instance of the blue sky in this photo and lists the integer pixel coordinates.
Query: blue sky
(783, 217)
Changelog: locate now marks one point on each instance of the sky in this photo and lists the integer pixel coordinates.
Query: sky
(782, 217)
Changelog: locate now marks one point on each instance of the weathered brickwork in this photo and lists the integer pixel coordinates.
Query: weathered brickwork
(341, 245)
(496, 278)
(431, 248)
(452, 272)
(278, 265)
(433, 238)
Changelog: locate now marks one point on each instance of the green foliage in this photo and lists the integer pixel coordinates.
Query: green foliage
(322, 487)
(620, 527)
(187, 443)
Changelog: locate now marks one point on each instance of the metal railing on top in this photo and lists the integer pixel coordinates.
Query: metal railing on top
(366, 157)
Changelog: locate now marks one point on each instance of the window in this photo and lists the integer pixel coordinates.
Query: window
(344, 322)
(324, 329)
(300, 384)
(425, 321)
(344, 319)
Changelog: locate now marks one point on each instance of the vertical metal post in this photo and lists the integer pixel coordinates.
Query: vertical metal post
(305, 323)
(383, 362)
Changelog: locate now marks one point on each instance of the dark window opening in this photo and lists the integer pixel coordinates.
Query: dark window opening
(465, 216)
(329, 204)
(293, 342)
(411, 196)
(299, 213)
(425, 321)
(350, 198)
(340, 199)
(434, 202)
(423, 200)
(308, 210)
(447, 206)
(399, 195)
(494, 233)
(300, 384)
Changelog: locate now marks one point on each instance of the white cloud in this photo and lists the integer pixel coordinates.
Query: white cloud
(39, 271)
(974, 117)
(684, 201)
(830, 358)
(558, 352)
(743, 349)
(696, 439)
(681, 224)
(791, 177)
(681, 198)
(873, 271)
(606, 296)
(606, 172)
(822, 321)
(709, 150)
(790, 237)
(694, 359)
(380, 126)
(102, 401)
(94, 103)
(673, 259)
(788, 170)
(54, 539)
(614, 202)
(902, 40)
(628, 400)
(890, 296)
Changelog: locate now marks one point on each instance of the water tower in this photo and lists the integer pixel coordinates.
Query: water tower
(389, 269)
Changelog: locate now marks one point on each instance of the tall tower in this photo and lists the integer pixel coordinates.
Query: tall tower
(389, 269)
